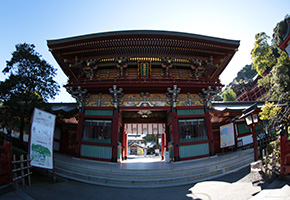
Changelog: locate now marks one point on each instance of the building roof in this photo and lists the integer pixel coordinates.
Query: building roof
(233, 106)
(286, 39)
(142, 33)
(139, 44)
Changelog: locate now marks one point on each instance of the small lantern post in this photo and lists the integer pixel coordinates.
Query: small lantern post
(252, 120)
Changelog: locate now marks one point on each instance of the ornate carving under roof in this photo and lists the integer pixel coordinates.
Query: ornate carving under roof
(152, 55)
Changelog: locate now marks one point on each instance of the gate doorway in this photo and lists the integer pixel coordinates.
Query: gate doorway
(144, 135)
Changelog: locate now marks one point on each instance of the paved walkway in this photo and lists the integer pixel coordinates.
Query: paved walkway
(240, 185)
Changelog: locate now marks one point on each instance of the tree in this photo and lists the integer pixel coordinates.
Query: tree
(245, 74)
(266, 57)
(277, 80)
(229, 95)
(262, 54)
(280, 31)
(29, 84)
(269, 111)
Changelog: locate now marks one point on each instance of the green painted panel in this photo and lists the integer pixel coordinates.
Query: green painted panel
(260, 126)
(119, 153)
(103, 141)
(193, 139)
(170, 152)
(242, 128)
(190, 112)
(194, 150)
(96, 151)
(169, 118)
(99, 112)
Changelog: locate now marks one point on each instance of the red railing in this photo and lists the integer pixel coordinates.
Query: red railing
(285, 155)
(5, 163)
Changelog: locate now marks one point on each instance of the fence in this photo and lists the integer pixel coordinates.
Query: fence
(21, 170)
(271, 163)
(264, 140)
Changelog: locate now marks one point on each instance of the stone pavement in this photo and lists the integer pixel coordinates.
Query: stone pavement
(240, 185)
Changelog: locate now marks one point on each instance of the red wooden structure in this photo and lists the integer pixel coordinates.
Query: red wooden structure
(6, 163)
(249, 91)
(286, 39)
(285, 155)
(115, 76)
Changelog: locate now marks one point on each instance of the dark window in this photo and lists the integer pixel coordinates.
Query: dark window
(191, 130)
(97, 130)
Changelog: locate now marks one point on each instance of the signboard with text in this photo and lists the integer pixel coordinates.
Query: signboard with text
(227, 135)
(41, 141)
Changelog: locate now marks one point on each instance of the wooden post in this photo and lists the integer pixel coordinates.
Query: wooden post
(125, 146)
(15, 169)
(115, 133)
(209, 133)
(79, 135)
(28, 169)
(283, 139)
(255, 143)
(8, 146)
(266, 162)
(22, 169)
(274, 162)
(162, 146)
(175, 137)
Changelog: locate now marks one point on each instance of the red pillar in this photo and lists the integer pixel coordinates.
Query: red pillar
(175, 137)
(126, 150)
(115, 133)
(125, 146)
(6, 163)
(79, 134)
(9, 156)
(209, 133)
(162, 145)
(255, 143)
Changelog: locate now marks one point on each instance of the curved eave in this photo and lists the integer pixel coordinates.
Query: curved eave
(141, 33)
(143, 43)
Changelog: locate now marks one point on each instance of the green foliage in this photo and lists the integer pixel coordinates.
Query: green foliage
(18, 147)
(29, 74)
(269, 111)
(149, 138)
(248, 72)
(229, 95)
(274, 145)
(280, 31)
(278, 81)
(273, 59)
(30, 84)
(262, 54)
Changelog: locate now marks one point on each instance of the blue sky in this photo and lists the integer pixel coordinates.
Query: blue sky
(35, 22)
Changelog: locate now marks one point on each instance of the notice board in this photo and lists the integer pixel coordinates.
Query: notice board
(41, 139)
(227, 135)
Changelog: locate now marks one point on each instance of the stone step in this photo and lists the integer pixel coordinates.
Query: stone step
(170, 175)
(141, 174)
(65, 161)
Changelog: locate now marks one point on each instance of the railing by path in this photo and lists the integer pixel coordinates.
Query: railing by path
(285, 155)
(21, 170)
(271, 163)
(264, 141)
